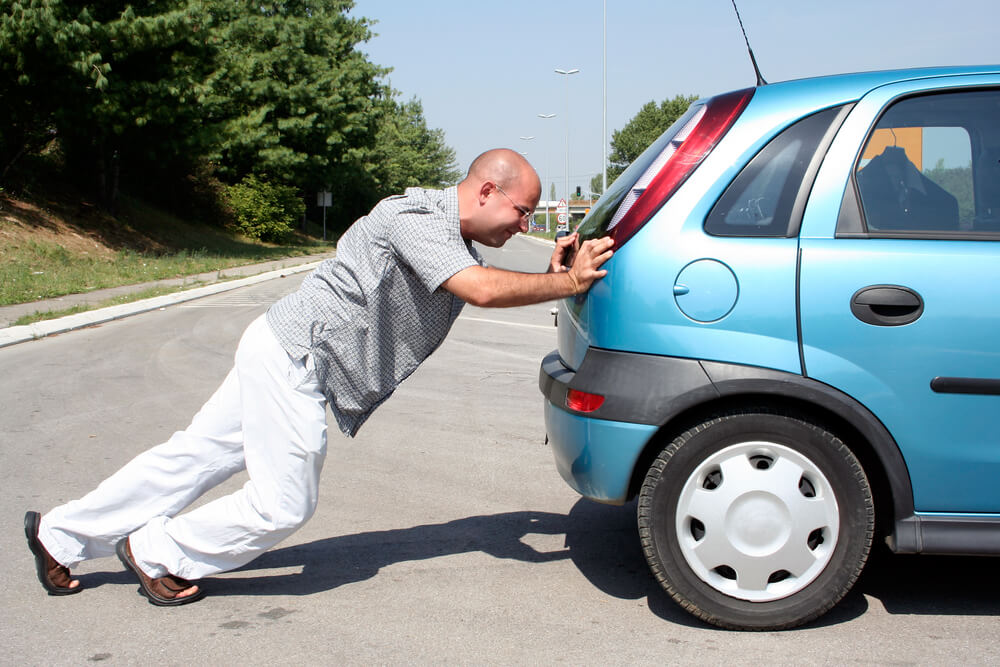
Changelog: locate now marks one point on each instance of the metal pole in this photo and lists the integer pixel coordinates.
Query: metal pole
(532, 223)
(604, 126)
(566, 73)
(546, 116)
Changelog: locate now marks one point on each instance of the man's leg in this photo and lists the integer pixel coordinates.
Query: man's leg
(284, 443)
(161, 481)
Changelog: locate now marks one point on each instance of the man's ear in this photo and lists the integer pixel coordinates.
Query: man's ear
(485, 190)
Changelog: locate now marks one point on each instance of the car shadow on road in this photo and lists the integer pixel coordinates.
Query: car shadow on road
(602, 542)
(933, 585)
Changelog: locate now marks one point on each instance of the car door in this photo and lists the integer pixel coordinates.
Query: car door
(899, 284)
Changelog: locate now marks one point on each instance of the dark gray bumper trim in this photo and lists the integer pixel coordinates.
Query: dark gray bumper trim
(967, 535)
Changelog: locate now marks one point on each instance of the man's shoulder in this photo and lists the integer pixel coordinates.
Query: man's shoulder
(421, 205)
(416, 199)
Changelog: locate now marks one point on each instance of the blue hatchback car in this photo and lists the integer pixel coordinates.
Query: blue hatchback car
(796, 349)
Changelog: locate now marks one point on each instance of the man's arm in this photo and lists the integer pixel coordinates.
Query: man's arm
(496, 288)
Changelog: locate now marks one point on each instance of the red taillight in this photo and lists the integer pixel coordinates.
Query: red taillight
(679, 158)
(581, 401)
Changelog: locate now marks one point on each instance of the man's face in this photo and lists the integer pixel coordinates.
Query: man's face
(507, 212)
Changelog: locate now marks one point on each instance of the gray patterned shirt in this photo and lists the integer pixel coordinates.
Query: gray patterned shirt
(373, 313)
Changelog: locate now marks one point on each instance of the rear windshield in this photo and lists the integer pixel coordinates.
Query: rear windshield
(597, 221)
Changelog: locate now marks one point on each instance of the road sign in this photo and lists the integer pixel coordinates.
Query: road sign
(562, 209)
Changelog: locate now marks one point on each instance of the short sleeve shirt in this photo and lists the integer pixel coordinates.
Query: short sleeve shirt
(373, 313)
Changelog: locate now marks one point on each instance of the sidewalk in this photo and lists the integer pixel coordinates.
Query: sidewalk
(202, 284)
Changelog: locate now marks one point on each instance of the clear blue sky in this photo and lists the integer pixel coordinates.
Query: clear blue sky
(484, 70)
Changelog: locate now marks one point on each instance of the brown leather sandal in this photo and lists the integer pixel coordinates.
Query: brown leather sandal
(161, 591)
(54, 577)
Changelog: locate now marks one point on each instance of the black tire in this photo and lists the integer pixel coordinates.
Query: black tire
(739, 526)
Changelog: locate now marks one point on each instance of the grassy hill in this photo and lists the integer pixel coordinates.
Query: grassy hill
(60, 243)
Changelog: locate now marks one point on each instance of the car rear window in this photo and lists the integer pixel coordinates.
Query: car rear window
(599, 219)
(761, 200)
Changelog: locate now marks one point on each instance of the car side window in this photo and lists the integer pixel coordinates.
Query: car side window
(931, 167)
(761, 199)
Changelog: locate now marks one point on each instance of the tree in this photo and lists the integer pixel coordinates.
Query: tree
(407, 152)
(642, 130)
(153, 93)
(289, 96)
(597, 184)
(958, 182)
(111, 85)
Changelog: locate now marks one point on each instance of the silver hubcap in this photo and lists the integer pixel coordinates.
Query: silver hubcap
(757, 521)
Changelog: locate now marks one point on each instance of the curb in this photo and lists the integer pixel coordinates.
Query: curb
(20, 334)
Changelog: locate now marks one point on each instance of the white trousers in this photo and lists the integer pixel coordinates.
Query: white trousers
(268, 417)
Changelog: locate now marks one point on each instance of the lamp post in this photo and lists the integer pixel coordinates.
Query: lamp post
(566, 73)
(604, 123)
(532, 223)
(546, 116)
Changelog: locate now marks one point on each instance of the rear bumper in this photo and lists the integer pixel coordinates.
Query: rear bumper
(594, 454)
(596, 457)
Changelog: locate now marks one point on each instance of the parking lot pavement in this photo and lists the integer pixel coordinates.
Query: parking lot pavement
(443, 534)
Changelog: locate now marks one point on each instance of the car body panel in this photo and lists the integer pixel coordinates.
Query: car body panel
(949, 441)
(595, 456)
(786, 311)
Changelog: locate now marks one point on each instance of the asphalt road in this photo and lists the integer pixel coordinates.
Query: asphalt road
(444, 533)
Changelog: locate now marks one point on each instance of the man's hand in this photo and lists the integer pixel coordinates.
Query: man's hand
(564, 252)
(584, 260)
(496, 288)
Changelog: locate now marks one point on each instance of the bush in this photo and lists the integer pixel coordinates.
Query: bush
(263, 210)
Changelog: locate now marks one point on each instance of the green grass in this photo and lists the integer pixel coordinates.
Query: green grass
(43, 270)
(34, 270)
(115, 301)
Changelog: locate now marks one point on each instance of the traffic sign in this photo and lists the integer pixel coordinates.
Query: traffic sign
(563, 218)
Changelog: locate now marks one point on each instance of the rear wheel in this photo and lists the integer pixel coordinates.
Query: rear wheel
(756, 520)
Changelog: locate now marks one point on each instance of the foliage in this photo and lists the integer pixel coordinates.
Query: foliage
(114, 86)
(407, 153)
(643, 129)
(263, 210)
(288, 94)
(958, 182)
(143, 96)
(597, 184)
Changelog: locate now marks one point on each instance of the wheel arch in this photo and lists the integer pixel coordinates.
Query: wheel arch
(741, 387)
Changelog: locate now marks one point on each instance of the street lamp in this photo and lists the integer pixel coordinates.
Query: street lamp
(532, 223)
(566, 73)
(604, 96)
(546, 116)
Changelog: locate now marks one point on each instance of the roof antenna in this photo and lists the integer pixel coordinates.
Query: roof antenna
(760, 79)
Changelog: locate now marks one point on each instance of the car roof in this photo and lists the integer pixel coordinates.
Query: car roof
(840, 88)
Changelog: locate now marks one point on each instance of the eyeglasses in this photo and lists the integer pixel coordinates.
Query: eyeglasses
(525, 212)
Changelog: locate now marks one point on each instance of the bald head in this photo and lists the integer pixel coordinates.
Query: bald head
(497, 196)
(506, 168)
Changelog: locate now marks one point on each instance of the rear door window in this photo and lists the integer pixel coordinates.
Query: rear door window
(931, 167)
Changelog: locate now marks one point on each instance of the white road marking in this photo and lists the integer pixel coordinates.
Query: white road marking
(513, 324)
